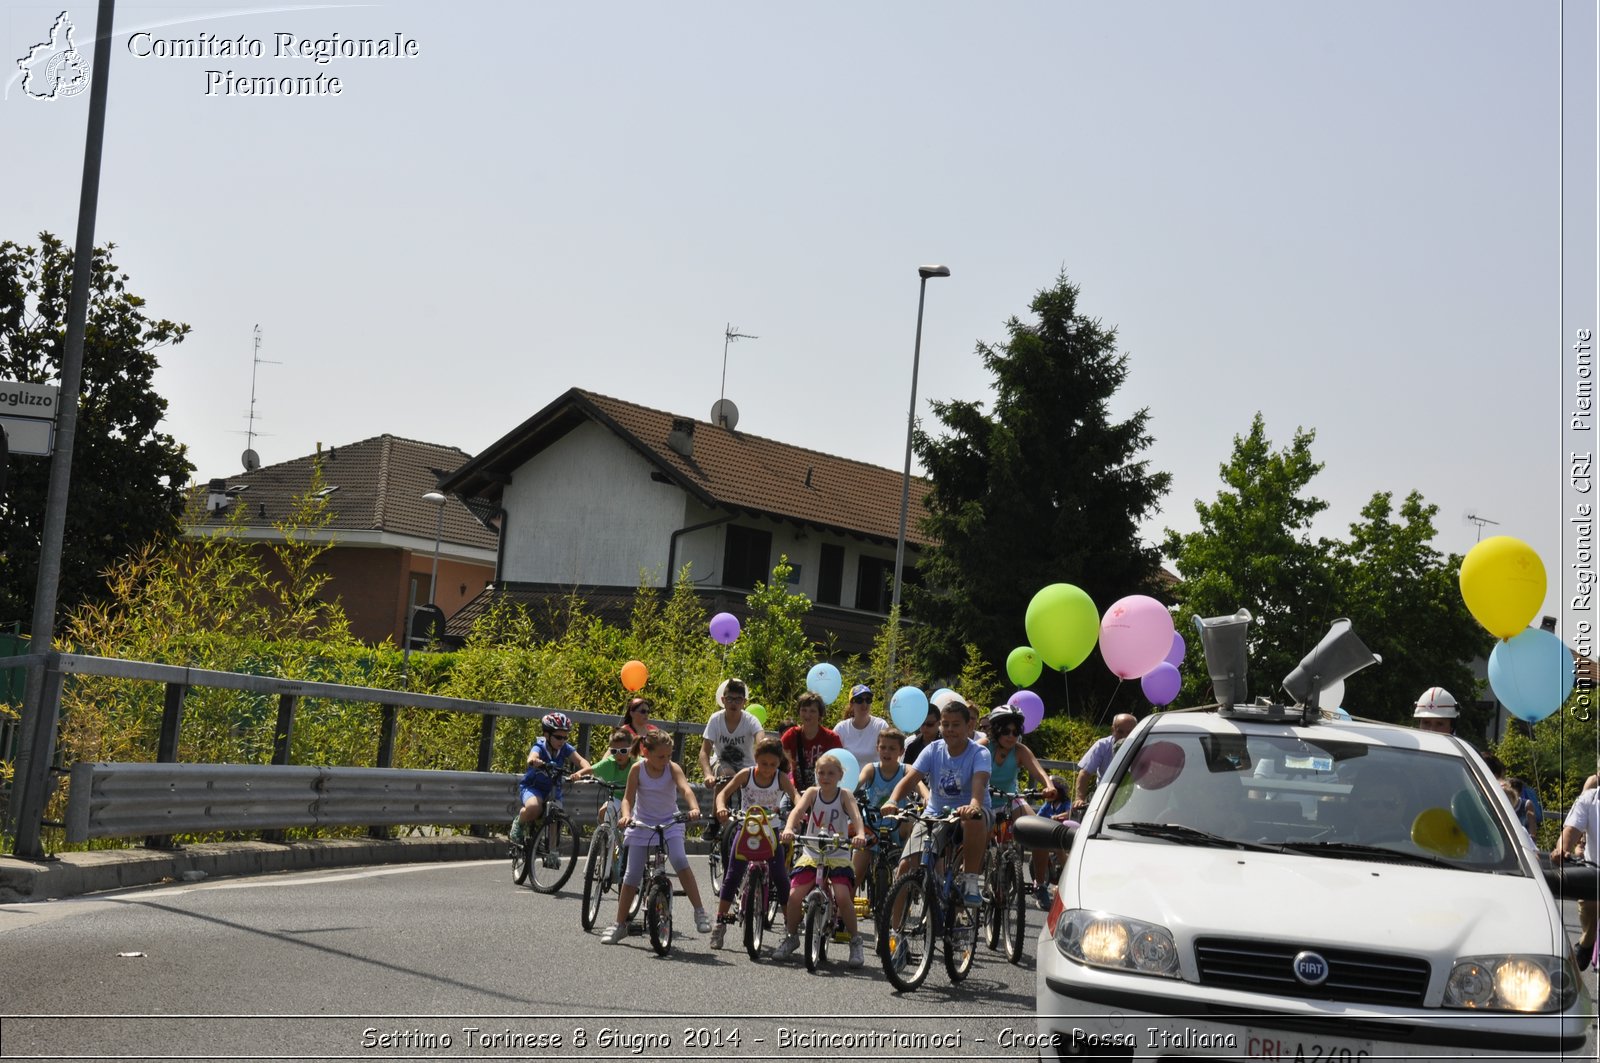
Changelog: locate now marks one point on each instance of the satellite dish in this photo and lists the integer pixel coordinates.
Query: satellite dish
(725, 414)
(252, 460)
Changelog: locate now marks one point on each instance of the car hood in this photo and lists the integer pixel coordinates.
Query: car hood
(1196, 891)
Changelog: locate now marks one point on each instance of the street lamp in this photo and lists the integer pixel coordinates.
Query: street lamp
(911, 420)
(438, 500)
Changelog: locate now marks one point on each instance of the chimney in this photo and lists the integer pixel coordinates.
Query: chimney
(217, 495)
(681, 438)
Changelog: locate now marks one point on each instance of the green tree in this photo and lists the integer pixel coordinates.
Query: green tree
(1403, 598)
(128, 478)
(773, 653)
(1047, 487)
(1254, 551)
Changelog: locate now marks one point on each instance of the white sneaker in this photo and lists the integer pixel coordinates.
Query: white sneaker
(787, 947)
(857, 955)
(702, 920)
(972, 890)
(718, 935)
(614, 933)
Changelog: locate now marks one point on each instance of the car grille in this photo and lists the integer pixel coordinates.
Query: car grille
(1353, 976)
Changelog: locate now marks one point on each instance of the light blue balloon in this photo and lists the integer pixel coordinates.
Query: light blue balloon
(823, 681)
(1531, 674)
(908, 708)
(852, 767)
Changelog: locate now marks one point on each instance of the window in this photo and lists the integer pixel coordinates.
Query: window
(873, 584)
(747, 558)
(830, 574)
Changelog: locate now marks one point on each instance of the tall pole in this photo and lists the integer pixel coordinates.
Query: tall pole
(39, 719)
(905, 484)
(438, 499)
(438, 533)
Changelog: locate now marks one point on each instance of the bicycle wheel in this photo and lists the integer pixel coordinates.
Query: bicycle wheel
(879, 879)
(960, 940)
(658, 916)
(909, 918)
(521, 857)
(556, 844)
(1015, 912)
(818, 929)
(994, 897)
(596, 876)
(753, 908)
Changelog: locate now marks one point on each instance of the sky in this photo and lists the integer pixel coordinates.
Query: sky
(1348, 217)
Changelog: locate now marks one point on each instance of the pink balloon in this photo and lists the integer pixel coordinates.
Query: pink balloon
(1031, 706)
(1135, 635)
(1161, 684)
(1179, 648)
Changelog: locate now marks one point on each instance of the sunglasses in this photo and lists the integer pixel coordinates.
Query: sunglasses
(556, 734)
(1000, 732)
(861, 701)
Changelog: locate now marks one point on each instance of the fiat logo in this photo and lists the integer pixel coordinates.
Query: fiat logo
(1310, 968)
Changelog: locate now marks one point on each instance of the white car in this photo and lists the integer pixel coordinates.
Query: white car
(1264, 882)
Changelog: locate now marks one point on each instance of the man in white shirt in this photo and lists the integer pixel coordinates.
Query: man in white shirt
(859, 730)
(1582, 825)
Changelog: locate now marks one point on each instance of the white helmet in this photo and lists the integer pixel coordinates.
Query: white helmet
(1436, 703)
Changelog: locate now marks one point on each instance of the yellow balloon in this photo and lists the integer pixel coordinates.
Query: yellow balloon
(1503, 584)
(1437, 830)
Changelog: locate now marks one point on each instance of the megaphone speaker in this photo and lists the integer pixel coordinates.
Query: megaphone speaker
(1338, 656)
(1224, 640)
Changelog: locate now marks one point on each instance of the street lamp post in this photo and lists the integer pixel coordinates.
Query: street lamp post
(905, 486)
(438, 500)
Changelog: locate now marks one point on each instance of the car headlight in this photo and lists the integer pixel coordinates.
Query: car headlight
(1511, 983)
(1103, 940)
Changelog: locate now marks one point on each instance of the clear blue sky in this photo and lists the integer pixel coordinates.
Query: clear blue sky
(1342, 215)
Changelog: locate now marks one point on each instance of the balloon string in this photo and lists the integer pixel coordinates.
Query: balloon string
(1066, 688)
(1110, 700)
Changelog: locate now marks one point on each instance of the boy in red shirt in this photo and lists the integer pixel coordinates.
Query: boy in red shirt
(808, 740)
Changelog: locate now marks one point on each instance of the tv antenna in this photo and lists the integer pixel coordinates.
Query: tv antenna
(1473, 518)
(729, 334)
(249, 458)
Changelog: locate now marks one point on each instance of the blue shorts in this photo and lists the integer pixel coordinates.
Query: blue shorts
(541, 789)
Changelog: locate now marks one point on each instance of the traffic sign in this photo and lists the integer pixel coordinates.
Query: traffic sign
(29, 436)
(32, 401)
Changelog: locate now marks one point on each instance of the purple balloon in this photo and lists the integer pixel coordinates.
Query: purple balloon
(1161, 684)
(1179, 648)
(1031, 706)
(725, 628)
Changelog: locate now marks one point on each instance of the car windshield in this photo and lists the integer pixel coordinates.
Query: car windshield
(1333, 799)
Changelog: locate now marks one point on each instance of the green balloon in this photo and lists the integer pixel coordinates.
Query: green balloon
(759, 712)
(1023, 666)
(1062, 625)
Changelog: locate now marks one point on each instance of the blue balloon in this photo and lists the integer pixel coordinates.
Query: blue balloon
(823, 681)
(1531, 674)
(908, 708)
(852, 767)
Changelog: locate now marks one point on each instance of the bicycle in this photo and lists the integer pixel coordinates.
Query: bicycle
(925, 907)
(1005, 899)
(884, 846)
(657, 887)
(602, 870)
(755, 908)
(819, 910)
(550, 844)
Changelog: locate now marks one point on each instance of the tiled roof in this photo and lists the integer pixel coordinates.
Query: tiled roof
(380, 484)
(728, 469)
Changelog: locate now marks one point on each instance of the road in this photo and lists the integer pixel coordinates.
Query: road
(447, 961)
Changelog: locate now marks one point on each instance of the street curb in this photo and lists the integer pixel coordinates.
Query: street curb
(73, 874)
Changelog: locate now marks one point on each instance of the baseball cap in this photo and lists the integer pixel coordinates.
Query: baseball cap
(858, 690)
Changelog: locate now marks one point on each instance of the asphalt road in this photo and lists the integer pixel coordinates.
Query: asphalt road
(449, 961)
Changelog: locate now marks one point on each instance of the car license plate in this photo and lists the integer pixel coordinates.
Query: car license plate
(1296, 1048)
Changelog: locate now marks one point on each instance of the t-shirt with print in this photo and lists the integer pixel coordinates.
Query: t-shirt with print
(825, 817)
(803, 752)
(731, 750)
(950, 777)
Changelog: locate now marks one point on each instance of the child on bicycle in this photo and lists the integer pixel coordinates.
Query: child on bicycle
(825, 808)
(957, 770)
(613, 767)
(1010, 757)
(762, 786)
(654, 785)
(538, 783)
(878, 782)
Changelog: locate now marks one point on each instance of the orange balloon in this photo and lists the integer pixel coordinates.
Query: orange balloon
(634, 675)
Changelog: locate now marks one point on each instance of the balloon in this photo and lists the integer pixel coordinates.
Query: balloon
(759, 712)
(1135, 635)
(1161, 684)
(725, 629)
(1437, 830)
(1531, 674)
(1023, 665)
(1062, 625)
(1157, 765)
(852, 767)
(1179, 648)
(823, 681)
(634, 674)
(908, 708)
(1503, 584)
(1031, 706)
(937, 694)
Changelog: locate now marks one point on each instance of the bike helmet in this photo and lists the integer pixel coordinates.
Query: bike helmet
(556, 721)
(1003, 716)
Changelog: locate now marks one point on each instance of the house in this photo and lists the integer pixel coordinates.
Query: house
(384, 530)
(595, 495)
